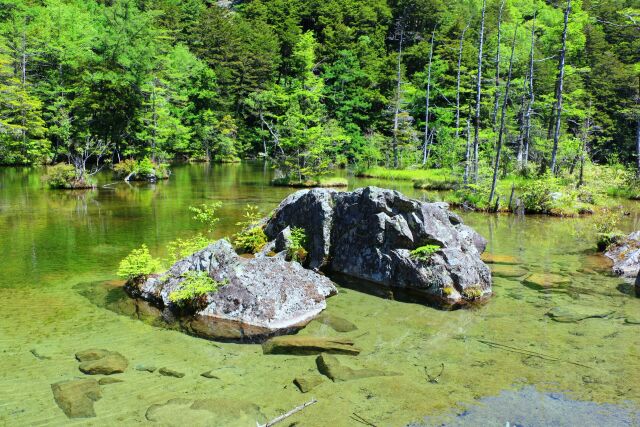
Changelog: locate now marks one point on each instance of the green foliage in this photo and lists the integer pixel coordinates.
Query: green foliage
(182, 248)
(138, 264)
(296, 249)
(141, 170)
(62, 175)
(194, 288)
(605, 224)
(206, 214)
(537, 195)
(251, 238)
(423, 253)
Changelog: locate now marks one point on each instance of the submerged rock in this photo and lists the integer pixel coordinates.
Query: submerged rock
(261, 297)
(331, 367)
(507, 271)
(305, 345)
(499, 259)
(307, 383)
(205, 412)
(336, 323)
(577, 313)
(76, 397)
(166, 372)
(540, 281)
(368, 234)
(101, 362)
(109, 380)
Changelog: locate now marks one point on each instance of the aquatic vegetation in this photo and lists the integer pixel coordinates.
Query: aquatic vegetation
(297, 241)
(196, 285)
(423, 253)
(472, 293)
(138, 264)
(311, 182)
(206, 214)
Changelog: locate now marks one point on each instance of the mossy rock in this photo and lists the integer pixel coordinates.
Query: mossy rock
(541, 281)
(101, 362)
(76, 397)
(331, 367)
(306, 345)
(166, 372)
(490, 258)
(336, 323)
(577, 313)
(307, 383)
(507, 271)
(205, 412)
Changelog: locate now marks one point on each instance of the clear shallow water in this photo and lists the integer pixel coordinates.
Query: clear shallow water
(59, 249)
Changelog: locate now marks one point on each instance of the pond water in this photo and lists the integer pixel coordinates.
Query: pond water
(59, 251)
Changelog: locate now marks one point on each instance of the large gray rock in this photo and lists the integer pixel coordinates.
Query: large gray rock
(369, 234)
(264, 296)
(625, 255)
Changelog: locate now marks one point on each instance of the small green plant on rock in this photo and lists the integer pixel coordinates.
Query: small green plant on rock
(605, 224)
(423, 253)
(296, 251)
(251, 238)
(194, 288)
(472, 293)
(138, 264)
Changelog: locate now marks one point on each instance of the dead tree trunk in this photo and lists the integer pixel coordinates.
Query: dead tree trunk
(467, 157)
(476, 123)
(558, 105)
(426, 149)
(458, 82)
(496, 97)
(502, 117)
(527, 136)
(398, 100)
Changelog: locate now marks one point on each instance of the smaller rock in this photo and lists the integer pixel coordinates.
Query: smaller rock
(305, 345)
(91, 354)
(507, 271)
(331, 367)
(210, 375)
(170, 373)
(632, 320)
(336, 323)
(38, 355)
(76, 397)
(146, 368)
(307, 383)
(499, 259)
(540, 281)
(576, 314)
(109, 380)
(111, 363)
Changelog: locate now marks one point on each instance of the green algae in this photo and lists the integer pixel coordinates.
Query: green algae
(57, 298)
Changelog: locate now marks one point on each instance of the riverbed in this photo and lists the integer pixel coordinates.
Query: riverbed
(60, 251)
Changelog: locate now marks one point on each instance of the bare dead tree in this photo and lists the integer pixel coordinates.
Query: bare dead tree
(496, 96)
(426, 146)
(559, 87)
(91, 148)
(476, 123)
(502, 118)
(529, 111)
(458, 81)
(399, 35)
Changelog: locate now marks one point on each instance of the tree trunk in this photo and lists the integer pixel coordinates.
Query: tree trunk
(558, 106)
(638, 146)
(496, 97)
(527, 137)
(467, 157)
(458, 82)
(476, 123)
(502, 117)
(394, 145)
(425, 148)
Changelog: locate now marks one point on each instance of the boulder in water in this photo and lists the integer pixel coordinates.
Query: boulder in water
(101, 362)
(306, 345)
(625, 254)
(261, 297)
(369, 234)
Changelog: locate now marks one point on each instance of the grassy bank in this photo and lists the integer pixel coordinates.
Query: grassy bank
(426, 179)
(558, 196)
(310, 183)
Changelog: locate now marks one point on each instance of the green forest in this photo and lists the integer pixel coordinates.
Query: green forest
(468, 89)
